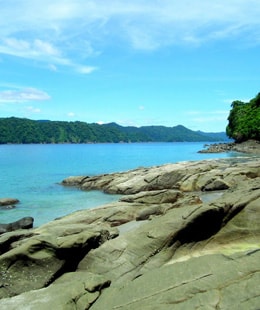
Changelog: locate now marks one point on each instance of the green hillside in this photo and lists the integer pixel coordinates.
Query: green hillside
(17, 130)
(244, 120)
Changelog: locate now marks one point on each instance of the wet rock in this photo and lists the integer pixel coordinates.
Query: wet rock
(8, 201)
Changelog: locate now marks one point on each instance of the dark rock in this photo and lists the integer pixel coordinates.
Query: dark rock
(8, 201)
(215, 185)
(24, 223)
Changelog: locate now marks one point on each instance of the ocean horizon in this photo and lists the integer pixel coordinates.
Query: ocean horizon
(32, 173)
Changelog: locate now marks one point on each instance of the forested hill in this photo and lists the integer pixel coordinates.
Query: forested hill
(244, 120)
(20, 130)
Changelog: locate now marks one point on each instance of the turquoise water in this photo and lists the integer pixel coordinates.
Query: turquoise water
(31, 173)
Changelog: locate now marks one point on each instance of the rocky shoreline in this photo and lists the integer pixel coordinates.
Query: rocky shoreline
(248, 147)
(181, 236)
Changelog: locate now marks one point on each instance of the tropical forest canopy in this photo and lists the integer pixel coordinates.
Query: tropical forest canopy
(20, 130)
(244, 120)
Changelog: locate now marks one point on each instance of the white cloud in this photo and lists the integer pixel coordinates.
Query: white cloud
(41, 51)
(85, 69)
(71, 114)
(28, 49)
(51, 27)
(66, 33)
(23, 95)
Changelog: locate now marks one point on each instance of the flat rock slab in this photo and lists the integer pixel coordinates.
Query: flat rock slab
(210, 175)
(158, 247)
(206, 282)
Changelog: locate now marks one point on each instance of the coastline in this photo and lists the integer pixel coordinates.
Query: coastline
(248, 147)
(110, 254)
(36, 180)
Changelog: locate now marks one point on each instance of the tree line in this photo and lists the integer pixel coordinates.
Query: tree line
(24, 131)
(244, 120)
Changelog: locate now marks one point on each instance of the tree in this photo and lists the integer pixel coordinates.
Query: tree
(244, 120)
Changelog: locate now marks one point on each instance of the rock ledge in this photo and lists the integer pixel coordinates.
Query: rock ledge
(248, 147)
(181, 236)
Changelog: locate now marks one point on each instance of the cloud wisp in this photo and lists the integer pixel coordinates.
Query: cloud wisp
(75, 31)
(23, 95)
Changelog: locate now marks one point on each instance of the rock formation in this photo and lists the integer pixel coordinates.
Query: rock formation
(23, 223)
(180, 236)
(8, 201)
(248, 147)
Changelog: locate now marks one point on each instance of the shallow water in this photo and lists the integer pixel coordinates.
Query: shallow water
(31, 173)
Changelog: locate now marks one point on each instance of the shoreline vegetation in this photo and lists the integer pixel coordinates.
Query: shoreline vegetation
(186, 232)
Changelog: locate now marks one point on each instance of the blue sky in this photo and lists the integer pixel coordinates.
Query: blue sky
(138, 63)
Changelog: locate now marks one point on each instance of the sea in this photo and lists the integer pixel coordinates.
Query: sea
(32, 173)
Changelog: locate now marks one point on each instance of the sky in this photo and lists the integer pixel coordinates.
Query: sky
(136, 63)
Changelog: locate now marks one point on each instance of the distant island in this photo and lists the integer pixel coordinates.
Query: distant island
(25, 131)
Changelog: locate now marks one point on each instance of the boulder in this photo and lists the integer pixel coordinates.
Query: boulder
(23, 223)
(8, 201)
(74, 180)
